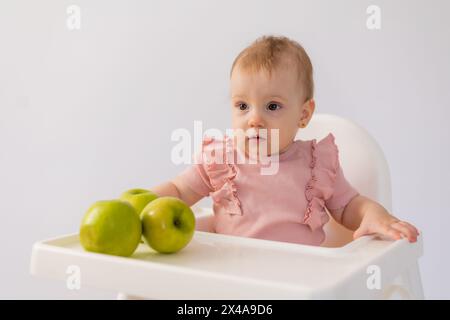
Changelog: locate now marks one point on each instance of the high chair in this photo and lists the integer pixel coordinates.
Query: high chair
(217, 266)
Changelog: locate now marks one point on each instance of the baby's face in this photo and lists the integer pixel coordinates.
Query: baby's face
(262, 102)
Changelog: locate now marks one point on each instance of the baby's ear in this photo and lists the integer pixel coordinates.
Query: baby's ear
(307, 112)
(312, 104)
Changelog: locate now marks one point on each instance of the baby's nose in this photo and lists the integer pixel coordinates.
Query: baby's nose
(256, 120)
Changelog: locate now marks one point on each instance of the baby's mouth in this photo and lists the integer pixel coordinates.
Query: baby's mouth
(256, 144)
(257, 138)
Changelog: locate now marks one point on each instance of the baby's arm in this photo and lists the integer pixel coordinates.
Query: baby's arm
(366, 216)
(179, 189)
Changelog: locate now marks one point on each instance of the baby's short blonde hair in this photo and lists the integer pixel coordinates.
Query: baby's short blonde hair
(268, 53)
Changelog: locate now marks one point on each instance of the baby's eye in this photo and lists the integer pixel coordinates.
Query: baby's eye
(242, 106)
(273, 106)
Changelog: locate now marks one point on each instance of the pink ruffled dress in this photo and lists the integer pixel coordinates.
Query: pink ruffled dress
(287, 206)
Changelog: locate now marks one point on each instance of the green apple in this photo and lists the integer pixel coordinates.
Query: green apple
(168, 224)
(138, 198)
(111, 227)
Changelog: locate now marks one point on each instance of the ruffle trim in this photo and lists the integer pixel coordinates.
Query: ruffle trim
(320, 185)
(221, 173)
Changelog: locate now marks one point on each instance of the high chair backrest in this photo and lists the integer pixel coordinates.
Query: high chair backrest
(362, 161)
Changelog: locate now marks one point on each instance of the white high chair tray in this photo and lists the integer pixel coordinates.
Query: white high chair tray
(216, 266)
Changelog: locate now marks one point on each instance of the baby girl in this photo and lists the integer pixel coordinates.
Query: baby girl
(272, 88)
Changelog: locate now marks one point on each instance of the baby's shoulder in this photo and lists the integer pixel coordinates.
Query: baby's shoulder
(323, 153)
(214, 149)
(223, 143)
(326, 144)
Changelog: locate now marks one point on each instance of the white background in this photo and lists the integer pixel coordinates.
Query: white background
(87, 114)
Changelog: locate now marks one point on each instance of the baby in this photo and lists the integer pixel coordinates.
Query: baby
(272, 88)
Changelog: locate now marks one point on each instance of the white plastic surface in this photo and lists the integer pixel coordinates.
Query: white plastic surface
(215, 266)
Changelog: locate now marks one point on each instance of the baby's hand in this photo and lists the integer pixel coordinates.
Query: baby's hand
(384, 224)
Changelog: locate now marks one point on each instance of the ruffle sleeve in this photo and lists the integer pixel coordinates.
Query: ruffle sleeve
(327, 187)
(213, 173)
(218, 161)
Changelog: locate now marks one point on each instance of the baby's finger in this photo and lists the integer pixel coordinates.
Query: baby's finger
(408, 232)
(391, 232)
(411, 226)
